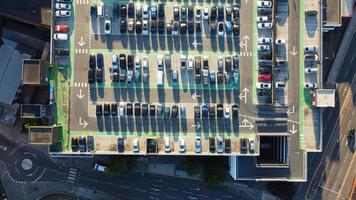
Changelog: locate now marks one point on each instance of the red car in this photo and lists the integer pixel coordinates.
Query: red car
(264, 77)
(61, 28)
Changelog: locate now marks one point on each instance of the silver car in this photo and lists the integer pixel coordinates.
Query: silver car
(145, 70)
(198, 145)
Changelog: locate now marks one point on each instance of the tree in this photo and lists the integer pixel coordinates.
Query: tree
(215, 171)
(192, 166)
(121, 165)
(283, 190)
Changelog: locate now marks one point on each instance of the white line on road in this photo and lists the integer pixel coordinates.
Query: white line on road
(154, 193)
(126, 187)
(343, 93)
(172, 189)
(347, 72)
(188, 192)
(140, 190)
(170, 197)
(329, 116)
(328, 189)
(154, 185)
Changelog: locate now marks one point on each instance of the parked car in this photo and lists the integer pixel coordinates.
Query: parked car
(264, 4)
(123, 26)
(181, 145)
(160, 65)
(93, 11)
(279, 85)
(264, 25)
(183, 62)
(264, 47)
(311, 57)
(227, 112)
(175, 112)
(145, 12)
(144, 110)
(113, 109)
(251, 145)
(107, 26)
(167, 145)
(100, 168)
(311, 49)
(183, 111)
(261, 85)
(75, 144)
(220, 145)
(264, 40)
(61, 52)
(243, 145)
(280, 42)
(64, 6)
(197, 111)
(90, 145)
(198, 145)
(266, 77)
(235, 111)
(61, 28)
(82, 144)
(175, 77)
(136, 145)
(100, 11)
(221, 30)
(62, 13)
(212, 145)
(145, 69)
(310, 85)
(129, 109)
(263, 19)
(60, 36)
(227, 145)
(309, 70)
(120, 145)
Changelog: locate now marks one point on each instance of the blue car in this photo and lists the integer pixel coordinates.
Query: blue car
(236, 77)
(205, 111)
(153, 11)
(100, 60)
(212, 77)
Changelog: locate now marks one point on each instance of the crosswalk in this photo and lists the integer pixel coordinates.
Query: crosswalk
(72, 176)
(245, 53)
(82, 2)
(80, 84)
(81, 51)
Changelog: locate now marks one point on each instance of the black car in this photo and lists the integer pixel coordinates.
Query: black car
(235, 12)
(129, 109)
(123, 11)
(91, 76)
(99, 110)
(92, 61)
(75, 144)
(213, 27)
(235, 111)
(227, 145)
(265, 63)
(161, 27)
(191, 27)
(153, 27)
(137, 109)
(106, 109)
(264, 92)
(131, 10)
(205, 63)
(100, 60)
(152, 110)
(264, 70)
(138, 26)
(161, 12)
(235, 29)
(198, 78)
(138, 12)
(190, 12)
(197, 64)
(82, 144)
(220, 78)
(183, 28)
(243, 145)
(123, 26)
(213, 13)
(212, 111)
(90, 143)
(113, 109)
(264, 11)
(197, 111)
(93, 11)
(122, 61)
(144, 110)
(205, 111)
(169, 28)
(176, 13)
(130, 62)
(221, 13)
(61, 52)
(219, 110)
(120, 145)
(235, 62)
(228, 63)
(99, 75)
(265, 55)
(228, 13)
(198, 27)
(183, 13)
(174, 113)
(212, 144)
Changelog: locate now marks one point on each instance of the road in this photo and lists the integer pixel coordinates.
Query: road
(331, 173)
(25, 165)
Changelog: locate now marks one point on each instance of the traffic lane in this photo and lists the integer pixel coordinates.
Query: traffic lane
(347, 69)
(156, 43)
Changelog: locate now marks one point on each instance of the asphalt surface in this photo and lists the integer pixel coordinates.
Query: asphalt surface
(331, 172)
(132, 186)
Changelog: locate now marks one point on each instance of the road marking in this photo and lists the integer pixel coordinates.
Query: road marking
(328, 189)
(329, 116)
(170, 197)
(293, 131)
(294, 52)
(83, 123)
(246, 124)
(81, 42)
(243, 95)
(186, 192)
(80, 95)
(81, 51)
(154, 193)
(346, 175)
(290, 111)
(243, 42)
(124, 186)
(172, 189)
(140, 190)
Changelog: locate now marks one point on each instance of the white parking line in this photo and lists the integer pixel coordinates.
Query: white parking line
(328, 189)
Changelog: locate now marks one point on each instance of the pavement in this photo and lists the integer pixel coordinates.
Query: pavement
(332, 172)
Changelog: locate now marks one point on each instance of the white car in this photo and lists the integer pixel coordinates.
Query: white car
(62, 13)
(262, 4)
(122, 109)
(280, 41)
(190, 63)
(60, 36)
(264, 47)
(206, 13)
(279, 85)
(114, 62)
(267, 25)
(263, 19)
(220, 64)
(100, 9)
(198, 14)
(145, 70)
(145, 12)
(310, 85)
(64, 6)
(183, 111)
(167, 145)
(144, 27)
(182, 145)
(264, 40)
(135, 145)
(310, 70)
(160, 62)
(100, 168)
(107, 26)
(183, 61)
(310, 49)
(227, 112)
(261, 85)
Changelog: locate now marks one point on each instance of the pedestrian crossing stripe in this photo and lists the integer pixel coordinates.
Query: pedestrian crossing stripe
(82, 2)
(81, 51)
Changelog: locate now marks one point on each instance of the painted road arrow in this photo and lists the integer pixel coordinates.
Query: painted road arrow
(196, 125)
(195, 96)
(81, 43)
(294, 52)
(246, 124)
(243, 95)
(290, 111)
(293, 131)
(196, 44)
(83, 123)
(80, 95)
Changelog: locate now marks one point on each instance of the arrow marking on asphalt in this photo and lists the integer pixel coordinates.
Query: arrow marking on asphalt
(243, 42)
(83, 123)
(196, 125)
(289, 112)
(80, 95)
(81, 43)
(246, 124)
(294, 52)
(293, 131)
(195, 96)
(196, 44)
(243, 95)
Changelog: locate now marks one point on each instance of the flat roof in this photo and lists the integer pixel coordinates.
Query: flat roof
(31, 110)
(10, 71)
(41, 135)
(325, 98)
(31, 72)
(333, 17)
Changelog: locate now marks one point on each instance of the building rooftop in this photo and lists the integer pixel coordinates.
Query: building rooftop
(31, 111)
(31, 72)
(325, 98)
(42, 135)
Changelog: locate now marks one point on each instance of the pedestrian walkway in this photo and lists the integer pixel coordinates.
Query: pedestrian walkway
(72, 175)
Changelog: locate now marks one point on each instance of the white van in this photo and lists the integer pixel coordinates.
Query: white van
(100, 8)
(100, 168)
(159, 77)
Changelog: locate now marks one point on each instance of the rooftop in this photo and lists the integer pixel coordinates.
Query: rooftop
(325, 98)
(42, 135)
(31, 72)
